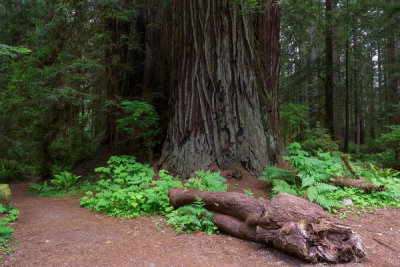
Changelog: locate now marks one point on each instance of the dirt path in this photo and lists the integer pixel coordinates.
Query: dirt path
(58, 232)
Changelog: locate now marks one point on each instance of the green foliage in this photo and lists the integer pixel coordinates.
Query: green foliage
(310, 174)
(206, 180)
(122, 190)
(10, 171)
(64, 180)
(42, 188)
(318, 139)
(128, 189)
(392, 139)
(293, 119)
(6, 232)
(364, 201)
(248, 193)
(12, 51)
(308, 178)
(386, 177)
(192, 217)
(141, 119)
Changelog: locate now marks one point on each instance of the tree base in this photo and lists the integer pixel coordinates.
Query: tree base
(287, 222)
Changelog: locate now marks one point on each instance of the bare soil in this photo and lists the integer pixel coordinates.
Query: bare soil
(58, 232)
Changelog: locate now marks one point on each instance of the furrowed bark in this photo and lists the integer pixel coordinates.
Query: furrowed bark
(224, 80)
(286, 222)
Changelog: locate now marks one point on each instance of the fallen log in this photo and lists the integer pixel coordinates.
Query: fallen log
(350, 167)
(287, 222)
(361, 184)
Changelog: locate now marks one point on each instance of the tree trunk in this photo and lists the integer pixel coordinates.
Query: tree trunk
(329, 68)
(313, 95)
(286, 222)
(224, 98)
(394, 84)
(347, 101)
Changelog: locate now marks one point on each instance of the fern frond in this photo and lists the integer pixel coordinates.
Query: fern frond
(324, 188)
(307, 180)
(281, 186)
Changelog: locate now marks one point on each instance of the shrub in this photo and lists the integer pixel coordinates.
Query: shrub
(10, 171)
(318, 139)
(6, 232)
(64, 180)
(127, 189)
(140, 120)
(208, 181)
(392, 140)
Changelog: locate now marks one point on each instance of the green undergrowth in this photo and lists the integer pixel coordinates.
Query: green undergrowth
(46, 189)
(129, 189)
(6, 232)
(310, 177)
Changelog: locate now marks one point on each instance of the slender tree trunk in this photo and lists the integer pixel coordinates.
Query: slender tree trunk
(224, 99)
(380, 87)
(393, 77)
(313, 83)
(357, 109)
(372, 95)
(329, 118)
(335, 72)
(347, 101)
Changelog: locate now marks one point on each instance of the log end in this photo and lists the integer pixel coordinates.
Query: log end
(324, 241)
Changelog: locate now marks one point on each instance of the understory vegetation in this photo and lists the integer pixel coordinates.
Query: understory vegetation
(126, 188)
(129, 189)
(8, 215)
(313, 177)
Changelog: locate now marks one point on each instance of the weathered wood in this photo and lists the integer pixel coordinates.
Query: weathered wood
(286, 222)
(361, 184)
(350, 167)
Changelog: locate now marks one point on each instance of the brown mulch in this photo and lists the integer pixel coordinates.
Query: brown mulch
(58, 232)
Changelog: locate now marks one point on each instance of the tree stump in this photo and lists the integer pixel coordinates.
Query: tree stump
(287, 222)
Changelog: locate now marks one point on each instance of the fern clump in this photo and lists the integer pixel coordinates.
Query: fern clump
(309, 177)
(208, 181)
(192, 217)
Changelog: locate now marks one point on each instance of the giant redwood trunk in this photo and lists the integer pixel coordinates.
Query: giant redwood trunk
(224, 88)
(286, 222)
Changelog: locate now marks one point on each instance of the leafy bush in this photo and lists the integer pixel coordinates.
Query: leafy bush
(64, 180)
(141, 119)
(121, 191)
(6, 232)
(386, 177)
(208, 181)
(127, 189)
(392, 140)
(318, 138)
(10, 171)
(309, 177)
(192, 217)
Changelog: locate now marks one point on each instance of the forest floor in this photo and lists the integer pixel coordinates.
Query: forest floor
(58, 232)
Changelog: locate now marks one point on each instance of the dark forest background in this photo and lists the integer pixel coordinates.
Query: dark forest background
(84, 79)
